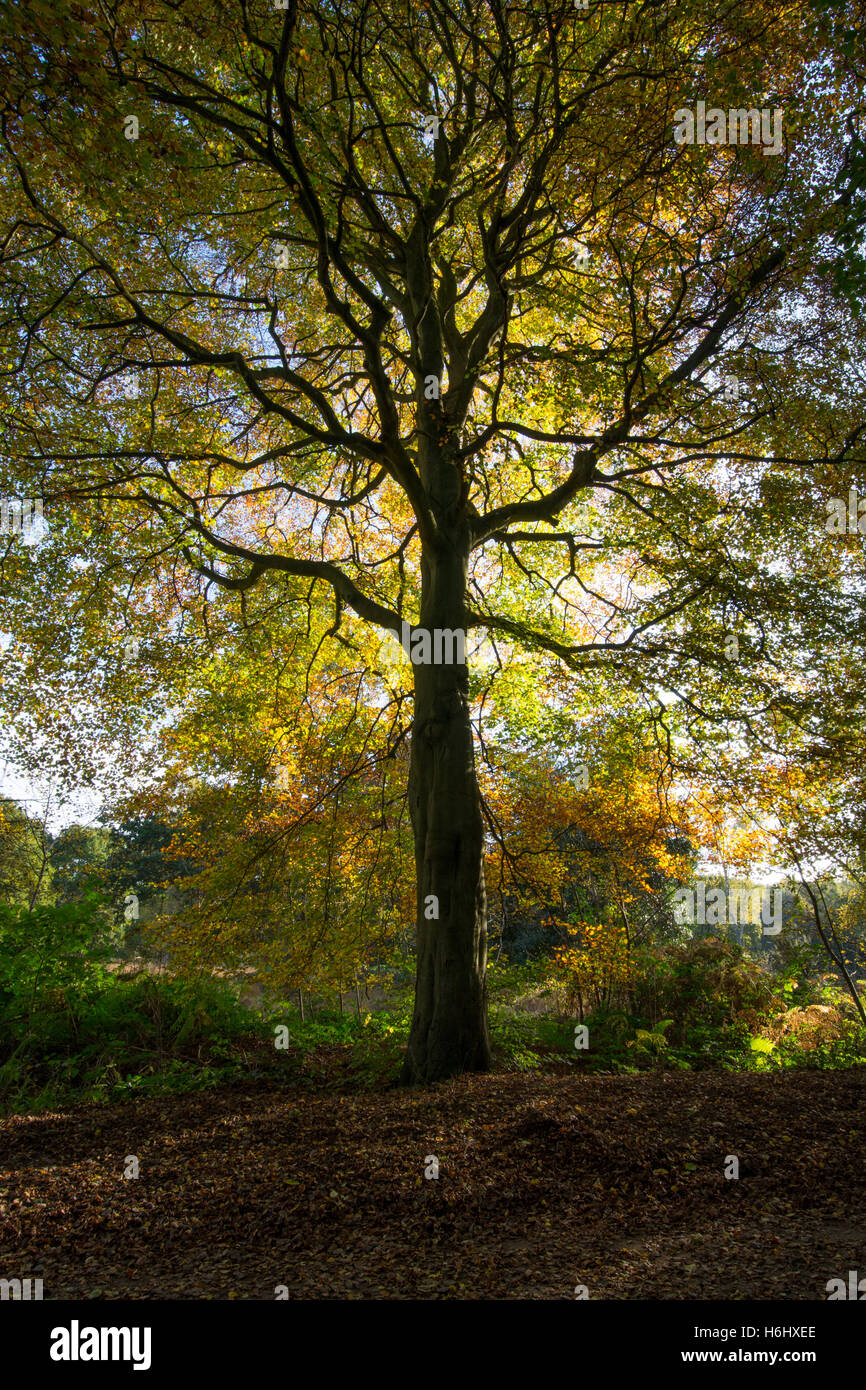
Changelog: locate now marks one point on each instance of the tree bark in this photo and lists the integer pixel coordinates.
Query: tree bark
(449, 1032)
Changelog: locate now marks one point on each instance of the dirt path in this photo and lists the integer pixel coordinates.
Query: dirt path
(545, 1183)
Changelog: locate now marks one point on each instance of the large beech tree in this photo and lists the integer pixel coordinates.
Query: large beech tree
(423, 306)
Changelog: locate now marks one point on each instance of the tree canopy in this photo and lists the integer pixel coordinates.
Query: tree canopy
(324, 318)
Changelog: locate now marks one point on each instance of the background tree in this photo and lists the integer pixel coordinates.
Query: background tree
(78, 854)
(25, 855)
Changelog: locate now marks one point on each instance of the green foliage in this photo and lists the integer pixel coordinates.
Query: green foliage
(652, 1040)
(372, 1044)
(721, 1006)
(25, 872)
(77, 857)
(706, 984)
(508, 979)
(49, 949)
(70, 1028)
(765, 1052)
(849, 1050)
(138, 860)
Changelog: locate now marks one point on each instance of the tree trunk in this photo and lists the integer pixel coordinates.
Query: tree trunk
(449, 1031)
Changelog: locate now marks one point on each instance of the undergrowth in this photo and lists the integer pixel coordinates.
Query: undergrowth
(73, 1031)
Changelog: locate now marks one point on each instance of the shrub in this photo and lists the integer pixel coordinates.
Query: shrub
(809, 1027)
(69, 1028)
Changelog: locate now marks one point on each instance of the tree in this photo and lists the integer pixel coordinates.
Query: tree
(78, 855)
(25, 855)
(425, 307)
(303, 873)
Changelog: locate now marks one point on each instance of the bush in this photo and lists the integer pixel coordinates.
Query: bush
(69, 1028)
(709, 984)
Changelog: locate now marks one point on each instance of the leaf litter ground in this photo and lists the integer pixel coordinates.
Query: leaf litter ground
(545, 1182)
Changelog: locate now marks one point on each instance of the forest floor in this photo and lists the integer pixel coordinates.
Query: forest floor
(546, 1182)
